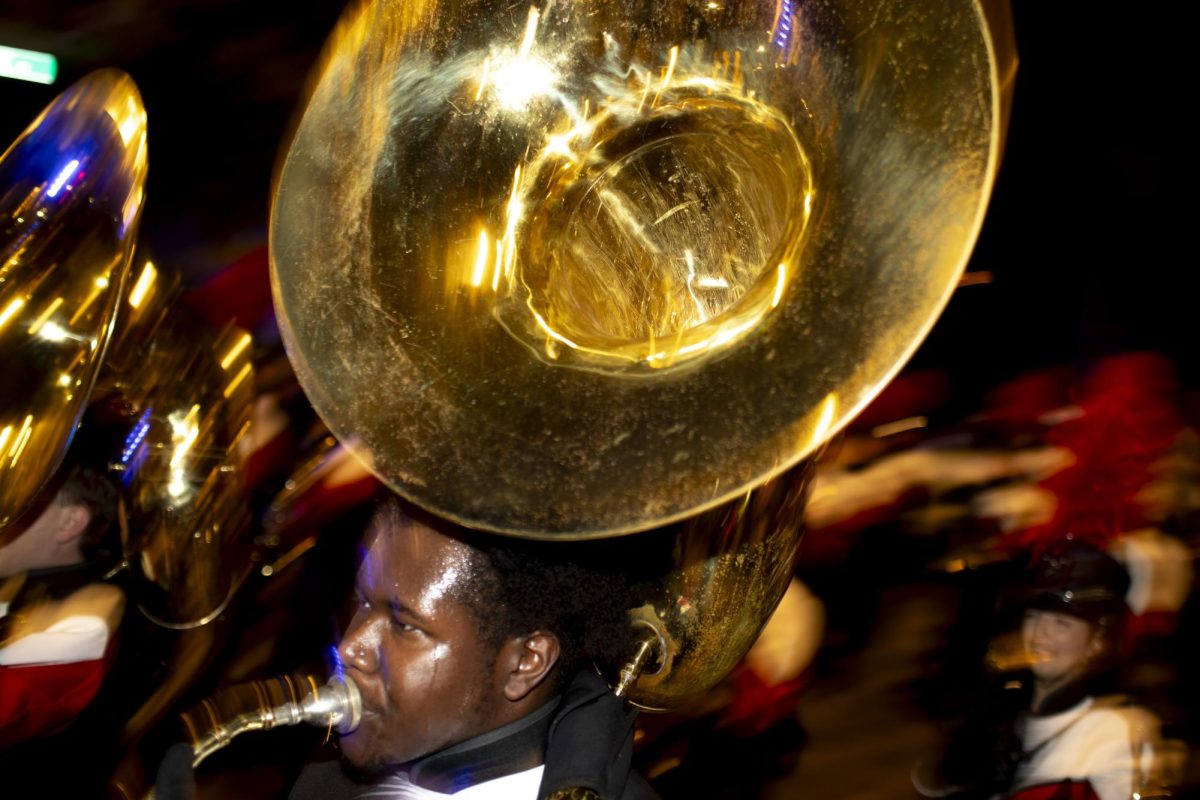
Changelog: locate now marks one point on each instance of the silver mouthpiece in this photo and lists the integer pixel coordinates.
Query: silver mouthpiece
(337, 705)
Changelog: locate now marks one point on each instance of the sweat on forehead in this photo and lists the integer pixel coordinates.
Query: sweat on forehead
(395, 518)
(576, 590)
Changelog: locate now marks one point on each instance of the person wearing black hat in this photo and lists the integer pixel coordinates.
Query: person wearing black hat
(1056, 730)
(1076, 606)
(1075, 739)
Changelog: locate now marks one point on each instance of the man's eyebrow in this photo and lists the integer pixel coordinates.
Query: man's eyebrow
(397, 607)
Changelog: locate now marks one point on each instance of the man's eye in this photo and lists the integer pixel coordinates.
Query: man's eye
(402, 626)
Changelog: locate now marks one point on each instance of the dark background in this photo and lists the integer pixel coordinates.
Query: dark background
(1086, 238)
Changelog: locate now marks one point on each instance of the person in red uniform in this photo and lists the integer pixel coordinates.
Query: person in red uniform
(57, 617)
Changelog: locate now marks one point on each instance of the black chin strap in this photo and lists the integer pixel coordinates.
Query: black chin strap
(512, 748)
(586, 739)
(590, 745)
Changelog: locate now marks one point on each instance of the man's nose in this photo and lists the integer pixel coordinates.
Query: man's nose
(1038, 630)
(360, 647)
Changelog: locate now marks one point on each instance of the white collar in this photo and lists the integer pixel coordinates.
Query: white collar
(517, 786)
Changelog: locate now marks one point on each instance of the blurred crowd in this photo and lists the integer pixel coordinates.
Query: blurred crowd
(1053, 529)
(1054, 524)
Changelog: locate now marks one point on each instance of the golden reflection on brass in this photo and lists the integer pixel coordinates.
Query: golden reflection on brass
(181, 471)
(11, 310)
(603, 267)
(143, 285)
(70, 201)
(729, 568)
(595, 267)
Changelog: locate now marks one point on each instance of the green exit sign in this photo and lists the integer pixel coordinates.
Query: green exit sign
(27, 65)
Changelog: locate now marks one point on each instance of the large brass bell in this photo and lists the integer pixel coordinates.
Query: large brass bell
(578, 270)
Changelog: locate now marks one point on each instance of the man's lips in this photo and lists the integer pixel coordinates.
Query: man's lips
(369, 707)
(366, 722)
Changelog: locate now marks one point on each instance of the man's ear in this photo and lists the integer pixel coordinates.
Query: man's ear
(72, 522)
(526, 662)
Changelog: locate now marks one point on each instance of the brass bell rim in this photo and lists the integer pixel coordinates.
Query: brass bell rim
(550, 512)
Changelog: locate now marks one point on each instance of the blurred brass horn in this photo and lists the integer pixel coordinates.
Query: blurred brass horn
(185, 395)
(71, 190)
(597, 267)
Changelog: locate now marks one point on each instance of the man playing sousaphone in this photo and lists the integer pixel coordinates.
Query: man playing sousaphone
(474, 658)
(550, 274)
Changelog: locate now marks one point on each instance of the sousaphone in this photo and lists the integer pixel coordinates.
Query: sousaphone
(584, 269)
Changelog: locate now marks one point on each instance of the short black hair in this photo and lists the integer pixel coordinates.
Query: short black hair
(84, 486)
(577, 591)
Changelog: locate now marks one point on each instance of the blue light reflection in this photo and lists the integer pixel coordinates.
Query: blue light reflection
(784, 34)
(64, 175)
(133, 445)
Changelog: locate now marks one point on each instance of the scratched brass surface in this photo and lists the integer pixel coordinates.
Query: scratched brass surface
(586, 268)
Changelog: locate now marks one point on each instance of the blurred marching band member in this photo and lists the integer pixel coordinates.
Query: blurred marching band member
(1057, 730)
(1073, 733)
(58, 620)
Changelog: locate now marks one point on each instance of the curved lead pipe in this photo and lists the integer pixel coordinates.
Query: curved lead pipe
(336, 705)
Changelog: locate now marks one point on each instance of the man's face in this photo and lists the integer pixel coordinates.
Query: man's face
(51, 540)
(1060, 644)
(413, 648)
